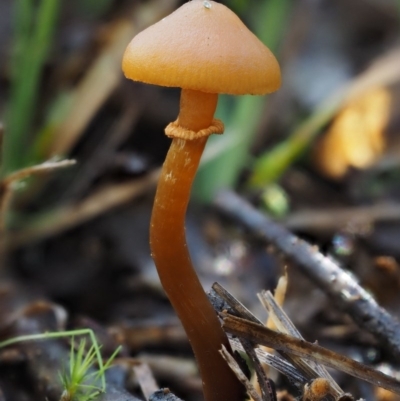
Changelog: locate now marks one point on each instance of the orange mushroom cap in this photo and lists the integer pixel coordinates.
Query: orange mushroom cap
(202, 46)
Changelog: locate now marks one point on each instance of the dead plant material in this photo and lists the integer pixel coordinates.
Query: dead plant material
(339, 285)
(139, 337)
(145, 377)
(45, 167)
(230, 360)
(280, 293)
(299, 371)
(94, 89)
(356, 137)
(104, 75)
(285, 325)
(306, 360)
(99, 158)
(260, 334)
(7, 185)
(279, 296)
(70, 216)
(178, 372)
(331, 220)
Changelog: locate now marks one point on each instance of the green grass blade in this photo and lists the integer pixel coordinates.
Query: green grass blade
(273, 163)
(33, 40)
(23, 26)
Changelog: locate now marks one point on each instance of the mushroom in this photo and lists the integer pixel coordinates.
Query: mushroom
(205, 49)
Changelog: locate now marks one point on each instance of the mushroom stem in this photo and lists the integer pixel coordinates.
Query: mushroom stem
(196, 109)
(171, 256)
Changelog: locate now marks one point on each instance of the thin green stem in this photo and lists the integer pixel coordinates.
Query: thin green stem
(33, 38)
(270, 165)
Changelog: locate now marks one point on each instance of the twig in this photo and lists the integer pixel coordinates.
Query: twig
(70, 216)
(145, 378)
(223, 301)
(6, 185)
(333, 280)
(266, 387)
(277, 362)
(173, 370)
(230, 360)
(98, 157)
(298, 370)
(335, 219)
(104, 75)
(285, 325)
(283, 342)
(37, 169)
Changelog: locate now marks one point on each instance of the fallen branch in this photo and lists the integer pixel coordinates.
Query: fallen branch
(339, 285)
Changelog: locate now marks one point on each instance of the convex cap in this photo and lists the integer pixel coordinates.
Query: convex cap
(202, 46)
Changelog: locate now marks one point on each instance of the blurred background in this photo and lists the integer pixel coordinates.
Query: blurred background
(322, 156)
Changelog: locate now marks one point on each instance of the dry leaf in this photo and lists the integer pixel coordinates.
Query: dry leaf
(356, 136)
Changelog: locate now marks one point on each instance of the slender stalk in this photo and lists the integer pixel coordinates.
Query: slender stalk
(172, 258)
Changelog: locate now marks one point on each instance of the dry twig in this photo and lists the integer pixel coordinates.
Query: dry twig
(330, 220)
(230, 360)
(73, 215)
(6, 185)
(260, 334)
(333, 280)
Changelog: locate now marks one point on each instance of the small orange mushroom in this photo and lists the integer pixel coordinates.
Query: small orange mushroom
(205, 49)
